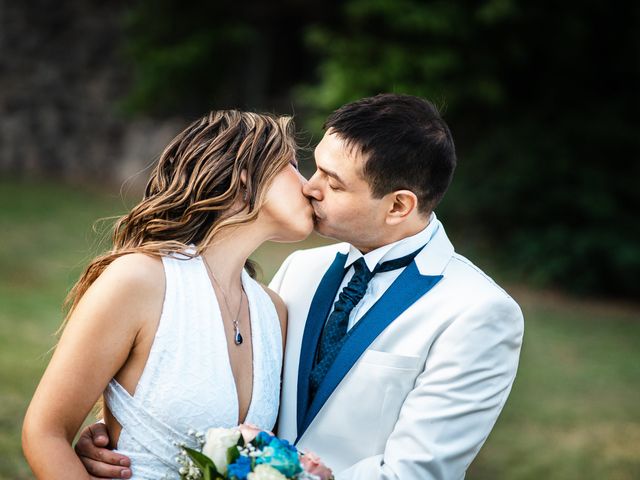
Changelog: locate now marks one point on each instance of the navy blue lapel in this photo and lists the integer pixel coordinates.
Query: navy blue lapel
(318, 312)
(404, 292)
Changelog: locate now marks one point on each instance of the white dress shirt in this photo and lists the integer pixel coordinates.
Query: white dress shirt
(381, 281)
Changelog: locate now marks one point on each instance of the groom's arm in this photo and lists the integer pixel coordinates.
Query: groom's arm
(456, 400)
(97, 458)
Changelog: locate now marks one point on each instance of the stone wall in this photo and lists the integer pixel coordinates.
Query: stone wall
(62, 75)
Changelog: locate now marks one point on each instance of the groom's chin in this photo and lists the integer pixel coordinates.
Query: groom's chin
(320, 228)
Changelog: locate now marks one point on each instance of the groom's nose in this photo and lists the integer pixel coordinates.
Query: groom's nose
(311, 188)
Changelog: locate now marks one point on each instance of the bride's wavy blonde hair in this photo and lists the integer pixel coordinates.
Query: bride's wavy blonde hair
(195, 189)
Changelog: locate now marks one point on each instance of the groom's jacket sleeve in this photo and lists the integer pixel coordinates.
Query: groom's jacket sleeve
(455, 401)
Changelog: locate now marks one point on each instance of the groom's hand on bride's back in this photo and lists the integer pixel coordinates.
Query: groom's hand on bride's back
(100, 462)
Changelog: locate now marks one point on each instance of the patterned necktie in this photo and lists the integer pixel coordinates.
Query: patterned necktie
(334, 333)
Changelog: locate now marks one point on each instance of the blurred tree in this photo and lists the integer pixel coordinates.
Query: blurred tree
(542, 98)
(190, 56)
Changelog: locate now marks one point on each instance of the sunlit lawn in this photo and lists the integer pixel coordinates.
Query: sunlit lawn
(573, 414)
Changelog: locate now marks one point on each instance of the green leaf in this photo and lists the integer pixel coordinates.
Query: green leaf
(201, 460)
(232, 454)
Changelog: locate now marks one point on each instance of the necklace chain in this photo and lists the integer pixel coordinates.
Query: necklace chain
(236, 324)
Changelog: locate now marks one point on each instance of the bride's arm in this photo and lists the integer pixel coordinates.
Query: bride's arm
(97, 341)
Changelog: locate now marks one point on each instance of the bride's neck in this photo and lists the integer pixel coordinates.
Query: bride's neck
(228, 253)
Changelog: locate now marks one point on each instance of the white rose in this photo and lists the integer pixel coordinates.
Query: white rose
(217, 442)
(265, 472)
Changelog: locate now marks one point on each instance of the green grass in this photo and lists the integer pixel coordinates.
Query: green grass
(573, 412)
(574, 408)
(45, 236)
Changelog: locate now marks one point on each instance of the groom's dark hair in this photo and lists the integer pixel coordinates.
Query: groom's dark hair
(406, 143)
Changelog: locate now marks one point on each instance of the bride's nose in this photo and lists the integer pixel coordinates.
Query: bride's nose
(302, 178)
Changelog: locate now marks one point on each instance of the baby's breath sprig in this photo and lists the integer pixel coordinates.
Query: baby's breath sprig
(188, 469)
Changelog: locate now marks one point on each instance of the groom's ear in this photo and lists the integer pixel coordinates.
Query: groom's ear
(402, 203)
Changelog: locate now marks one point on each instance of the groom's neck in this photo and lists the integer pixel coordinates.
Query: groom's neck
(394, 234)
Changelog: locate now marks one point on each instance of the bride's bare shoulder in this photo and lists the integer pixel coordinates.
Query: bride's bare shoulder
(135, 278)
(125, 297)
(137, 269)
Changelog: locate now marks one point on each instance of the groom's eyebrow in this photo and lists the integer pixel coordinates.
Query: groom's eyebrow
(331, 174)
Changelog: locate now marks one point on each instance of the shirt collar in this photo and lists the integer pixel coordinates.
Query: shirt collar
(394, 250)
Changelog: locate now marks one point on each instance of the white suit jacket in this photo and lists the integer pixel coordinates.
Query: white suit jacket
(422, 376)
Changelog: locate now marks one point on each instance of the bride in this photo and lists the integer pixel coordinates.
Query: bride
(169, 327)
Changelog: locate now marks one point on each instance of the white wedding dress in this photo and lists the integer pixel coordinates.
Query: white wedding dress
(187, 382)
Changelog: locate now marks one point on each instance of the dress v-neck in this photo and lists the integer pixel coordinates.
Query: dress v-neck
(247, 290)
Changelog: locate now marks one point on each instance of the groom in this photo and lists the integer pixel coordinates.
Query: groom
(400, 352)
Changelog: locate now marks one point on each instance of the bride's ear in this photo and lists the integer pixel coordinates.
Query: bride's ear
(243, 180)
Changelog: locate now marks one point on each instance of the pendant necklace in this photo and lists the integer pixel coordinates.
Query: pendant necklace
(237, 336)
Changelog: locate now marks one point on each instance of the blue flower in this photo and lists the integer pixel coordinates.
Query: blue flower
(262, 440)
(282, 456)
(239, 469)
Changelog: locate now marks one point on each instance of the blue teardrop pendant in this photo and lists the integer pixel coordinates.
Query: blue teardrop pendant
(238, 338)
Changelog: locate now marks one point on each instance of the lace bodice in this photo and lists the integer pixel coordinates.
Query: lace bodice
(187, 382)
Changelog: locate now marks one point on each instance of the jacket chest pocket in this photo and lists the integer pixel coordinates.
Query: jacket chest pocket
(392, 377)
(390, 360)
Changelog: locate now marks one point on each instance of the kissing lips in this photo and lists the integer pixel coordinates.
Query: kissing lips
(316, 215)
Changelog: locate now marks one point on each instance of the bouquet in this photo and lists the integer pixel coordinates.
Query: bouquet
(247, 453)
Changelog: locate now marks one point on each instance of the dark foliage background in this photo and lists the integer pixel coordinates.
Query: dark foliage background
(542, 98)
